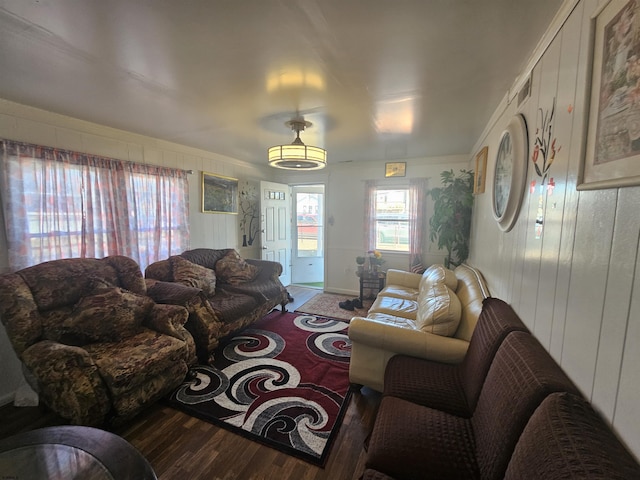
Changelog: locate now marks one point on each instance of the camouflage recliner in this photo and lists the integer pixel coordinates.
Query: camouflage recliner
(94, 346)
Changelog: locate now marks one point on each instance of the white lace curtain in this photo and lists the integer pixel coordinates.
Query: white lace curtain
(62, 204)
(369, 215)
(417, 221)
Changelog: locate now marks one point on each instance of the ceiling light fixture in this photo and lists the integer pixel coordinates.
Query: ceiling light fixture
(297, 155)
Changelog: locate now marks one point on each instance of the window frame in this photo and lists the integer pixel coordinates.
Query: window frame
(66, 213)
(404, 219)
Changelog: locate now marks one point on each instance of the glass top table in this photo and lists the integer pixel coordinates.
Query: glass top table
(50, 460)
(71, 452)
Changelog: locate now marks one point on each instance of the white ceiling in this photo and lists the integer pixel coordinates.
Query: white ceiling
(379, 79)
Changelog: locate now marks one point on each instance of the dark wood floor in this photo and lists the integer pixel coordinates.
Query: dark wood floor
(182, 447)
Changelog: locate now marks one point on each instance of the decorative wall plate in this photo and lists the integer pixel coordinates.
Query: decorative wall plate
(510, 174)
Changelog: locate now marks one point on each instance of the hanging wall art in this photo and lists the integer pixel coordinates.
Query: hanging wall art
(612, 151)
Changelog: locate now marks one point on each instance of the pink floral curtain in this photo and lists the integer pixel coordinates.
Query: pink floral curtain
(369, 233)
(417, 196)
(62, 204)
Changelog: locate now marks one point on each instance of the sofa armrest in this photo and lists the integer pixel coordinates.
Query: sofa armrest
(252, 289)
(68, 381)
(168, 319)
(160, 270)
(171, 293)
(405, 279)
(406, 341)
(19, 312)
(266, 269)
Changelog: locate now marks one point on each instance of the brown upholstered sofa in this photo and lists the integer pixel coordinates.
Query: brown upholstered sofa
(222, 291)
(93, 345)
(507, 411)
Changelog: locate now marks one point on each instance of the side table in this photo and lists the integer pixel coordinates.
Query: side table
(371, 281)
(72, 452)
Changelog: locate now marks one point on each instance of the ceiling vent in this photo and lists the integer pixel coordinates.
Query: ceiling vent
(525, 91)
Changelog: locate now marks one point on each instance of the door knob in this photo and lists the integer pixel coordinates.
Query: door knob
(265, 248)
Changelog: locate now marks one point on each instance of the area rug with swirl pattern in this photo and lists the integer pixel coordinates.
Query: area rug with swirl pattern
(329, 304)
(283, 381)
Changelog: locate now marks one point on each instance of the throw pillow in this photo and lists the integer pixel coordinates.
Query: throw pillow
(439, 273)
(234, 270)
(439, 310)
(109, 314)
(193, 275)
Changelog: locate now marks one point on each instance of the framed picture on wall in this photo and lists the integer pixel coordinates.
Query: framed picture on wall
(219, 194)
(612, 147)
(480, 173)
(395, 169)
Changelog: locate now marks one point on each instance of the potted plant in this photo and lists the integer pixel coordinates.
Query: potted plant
(451, 220)
(360, 262)
(375, 260)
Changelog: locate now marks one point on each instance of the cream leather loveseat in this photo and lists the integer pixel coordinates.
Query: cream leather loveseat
(429, 316)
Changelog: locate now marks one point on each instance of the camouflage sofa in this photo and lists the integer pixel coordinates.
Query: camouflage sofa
(94, 346)
(222, 291)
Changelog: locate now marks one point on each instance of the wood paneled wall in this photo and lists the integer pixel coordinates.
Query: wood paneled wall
(577, 286)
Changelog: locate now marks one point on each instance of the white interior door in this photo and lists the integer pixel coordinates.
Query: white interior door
(275, 216)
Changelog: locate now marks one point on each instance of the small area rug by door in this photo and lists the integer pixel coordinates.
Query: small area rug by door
(283, 381)
(327, 304)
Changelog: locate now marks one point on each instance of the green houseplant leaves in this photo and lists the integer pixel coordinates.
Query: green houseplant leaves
(451, 221)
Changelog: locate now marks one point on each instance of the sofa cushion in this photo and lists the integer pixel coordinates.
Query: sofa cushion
(108, 314)
(400, 291)
(207, 257)
(431, 384)
(566, 438)
(394, 320)
(160, 270)
(439, 310)
(496, 321)
(400, 307)
(193, 275)
(172, 293)
(472, 289)
(439, 274)
(233, 269)
(229, 307)
(153, 389)
(137, 359)
(412, 441)
(454, 388)
(55, 284)
(129, 274)
(521, 375)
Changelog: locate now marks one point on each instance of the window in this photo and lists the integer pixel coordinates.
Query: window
(391, 222)
(61, 204)
(309, 227)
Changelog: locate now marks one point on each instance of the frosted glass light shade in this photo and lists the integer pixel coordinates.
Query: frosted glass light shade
(297, 156)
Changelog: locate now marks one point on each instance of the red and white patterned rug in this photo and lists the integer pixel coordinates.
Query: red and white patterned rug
(284, 382)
